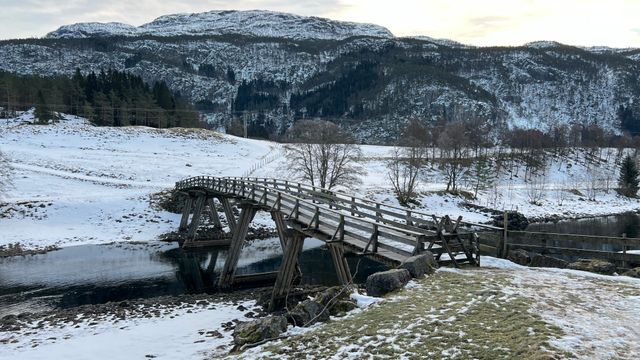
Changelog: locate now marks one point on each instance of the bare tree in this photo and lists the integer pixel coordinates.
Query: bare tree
(404, 169)
(321, 153)
(561, 193)
(5, 174)
(594, 180)
(536, 187)
(453, 141)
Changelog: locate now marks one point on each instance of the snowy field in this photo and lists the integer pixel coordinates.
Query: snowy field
(74, 183)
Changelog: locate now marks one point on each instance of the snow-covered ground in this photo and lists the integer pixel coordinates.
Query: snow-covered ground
(75, 183)
(182, 332)
(598, 313)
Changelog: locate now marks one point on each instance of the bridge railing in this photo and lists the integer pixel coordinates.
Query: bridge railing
(369, 231)
(364, 207)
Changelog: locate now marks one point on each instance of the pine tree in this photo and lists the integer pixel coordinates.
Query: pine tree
(628, 181)
(42, 112)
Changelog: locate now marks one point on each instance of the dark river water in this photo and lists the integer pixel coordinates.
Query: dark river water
(615, 225)
(93, 274)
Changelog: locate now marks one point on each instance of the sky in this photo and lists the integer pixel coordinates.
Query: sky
(614, 23)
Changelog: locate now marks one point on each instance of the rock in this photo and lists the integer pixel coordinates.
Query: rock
(251, 332)
(332, 294)
(307, 313)
(420, 264)
(547, 261)
(633, 273)
(384, 282)
(519, 256)
(517, 221)
(594, 266)
(342, 307)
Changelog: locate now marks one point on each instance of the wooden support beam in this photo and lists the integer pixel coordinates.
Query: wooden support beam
(419, 245)
(186, 210)
(284, 234)
(195, 221)
(340, 263)
(237, 240)
(228, 213)
(213, 258)
(213, 213)
(287, 268)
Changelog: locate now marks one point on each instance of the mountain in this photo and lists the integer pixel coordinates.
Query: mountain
(275, 68)
(250, 23)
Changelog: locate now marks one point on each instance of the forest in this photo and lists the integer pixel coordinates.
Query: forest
(108, 98)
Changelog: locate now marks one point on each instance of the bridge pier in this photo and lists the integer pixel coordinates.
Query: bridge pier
(228, 213)
(238, 236)
(186, 211)
(213, 214)
(340, 262)
(197, 216)
(289, 267)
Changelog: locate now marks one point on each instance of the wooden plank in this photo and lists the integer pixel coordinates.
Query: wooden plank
(200, 243)
(213, 213)
(237, 240)
(197, 215)
(255, 278)
(186, 210)
(228, 213)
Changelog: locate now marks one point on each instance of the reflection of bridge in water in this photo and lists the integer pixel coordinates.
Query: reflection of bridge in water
(345, 223)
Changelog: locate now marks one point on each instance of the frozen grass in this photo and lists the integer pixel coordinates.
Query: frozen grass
(446, 315)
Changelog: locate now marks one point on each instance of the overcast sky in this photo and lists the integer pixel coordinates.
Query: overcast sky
(479, 22)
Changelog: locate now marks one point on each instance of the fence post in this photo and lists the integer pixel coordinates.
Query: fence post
(624, 251)
(505, 249)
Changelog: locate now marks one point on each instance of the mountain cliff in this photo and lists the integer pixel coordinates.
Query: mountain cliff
(275, 68)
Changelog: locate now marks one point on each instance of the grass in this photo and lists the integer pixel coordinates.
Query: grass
(450, 315)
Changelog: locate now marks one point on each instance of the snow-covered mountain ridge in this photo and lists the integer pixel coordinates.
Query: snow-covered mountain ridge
(251, 23)
(280, 67)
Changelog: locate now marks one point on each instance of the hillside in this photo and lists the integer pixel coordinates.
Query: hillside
(74, 183)
(275, 68)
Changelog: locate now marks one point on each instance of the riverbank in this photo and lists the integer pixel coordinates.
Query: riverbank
(500, 310)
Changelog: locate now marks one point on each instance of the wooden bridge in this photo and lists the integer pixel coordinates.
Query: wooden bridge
(345, 223)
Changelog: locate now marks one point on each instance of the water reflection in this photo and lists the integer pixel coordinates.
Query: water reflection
(614, 225)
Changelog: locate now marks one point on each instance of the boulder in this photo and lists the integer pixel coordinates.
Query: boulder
(594, 266)
(384, 282)
(633, 273)
(307, 313)
(547, 261)
(332, 295)
(519, 256)
(420, 264)
(342, 307)
(251, 332)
